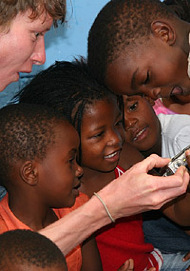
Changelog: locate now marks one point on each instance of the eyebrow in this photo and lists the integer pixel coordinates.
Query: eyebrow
(133, 80)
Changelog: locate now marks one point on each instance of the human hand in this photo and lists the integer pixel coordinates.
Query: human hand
(127, 266)
(136, 191)
(186, 258)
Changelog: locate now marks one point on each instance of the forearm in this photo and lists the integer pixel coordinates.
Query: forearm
(78, 225)
(133, 192)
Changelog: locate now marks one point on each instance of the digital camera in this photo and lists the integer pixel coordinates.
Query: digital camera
(177, 161)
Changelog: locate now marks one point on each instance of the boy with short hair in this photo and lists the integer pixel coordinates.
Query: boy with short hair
(28, 250)
(38, 167)
(140, 46)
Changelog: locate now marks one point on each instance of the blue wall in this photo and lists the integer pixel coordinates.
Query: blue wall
(64, 42)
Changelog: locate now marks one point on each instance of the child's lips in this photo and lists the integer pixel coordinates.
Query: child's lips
(113, 156)
(138, 135)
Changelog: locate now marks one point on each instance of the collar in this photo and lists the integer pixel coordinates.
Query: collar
(188, 69)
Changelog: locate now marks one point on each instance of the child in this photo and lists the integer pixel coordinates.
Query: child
(28, 250)
(176, 103)
(38, 168)
(165, 135)
(137, 46)
(94, 111)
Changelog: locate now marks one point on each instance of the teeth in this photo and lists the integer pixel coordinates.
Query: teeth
(111, 155)
(135, 138)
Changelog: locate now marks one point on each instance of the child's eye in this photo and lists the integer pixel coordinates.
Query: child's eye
(146, 81)
(120, 122)
(98, 135)
(72, 159)
(133, 107)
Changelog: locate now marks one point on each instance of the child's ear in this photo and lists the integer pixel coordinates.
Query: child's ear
(29, 173)
(164, 31)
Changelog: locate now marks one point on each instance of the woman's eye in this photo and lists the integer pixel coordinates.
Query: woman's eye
(37, 34)
(146, 81)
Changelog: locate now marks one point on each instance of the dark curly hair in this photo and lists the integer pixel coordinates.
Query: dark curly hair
(28, 248)
(26, 131)
(119, 24)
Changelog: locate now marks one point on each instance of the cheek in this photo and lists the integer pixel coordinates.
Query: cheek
(127, 136)
(90, 154)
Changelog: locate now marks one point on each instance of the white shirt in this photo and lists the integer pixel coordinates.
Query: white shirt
(175, 133)
(188, 69)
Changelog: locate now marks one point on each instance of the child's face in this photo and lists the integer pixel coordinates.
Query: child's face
(141, 123)
(102, 135)
(59, 172)
(155, 69)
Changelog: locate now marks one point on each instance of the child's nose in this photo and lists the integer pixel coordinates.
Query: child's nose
(155, 93)
(79, 171)
(115, 137)
(130, 122)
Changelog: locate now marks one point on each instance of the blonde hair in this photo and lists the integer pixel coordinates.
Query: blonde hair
(10, 8)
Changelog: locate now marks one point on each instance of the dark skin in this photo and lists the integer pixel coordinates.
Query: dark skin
(107, 136)
(157, 66)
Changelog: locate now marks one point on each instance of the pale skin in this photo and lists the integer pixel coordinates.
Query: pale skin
(135, 191)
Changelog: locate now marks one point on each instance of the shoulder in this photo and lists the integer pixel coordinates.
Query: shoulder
(174, 121)
(173, 124)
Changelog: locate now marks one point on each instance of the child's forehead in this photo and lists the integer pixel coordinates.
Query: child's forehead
(111, 101)
(133, 97)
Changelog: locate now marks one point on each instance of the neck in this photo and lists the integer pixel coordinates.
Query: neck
(93, 181)
(157, 148)
(30, 211)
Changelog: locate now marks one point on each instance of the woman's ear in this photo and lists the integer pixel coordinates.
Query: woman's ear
(29, 172)
(164, 31)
